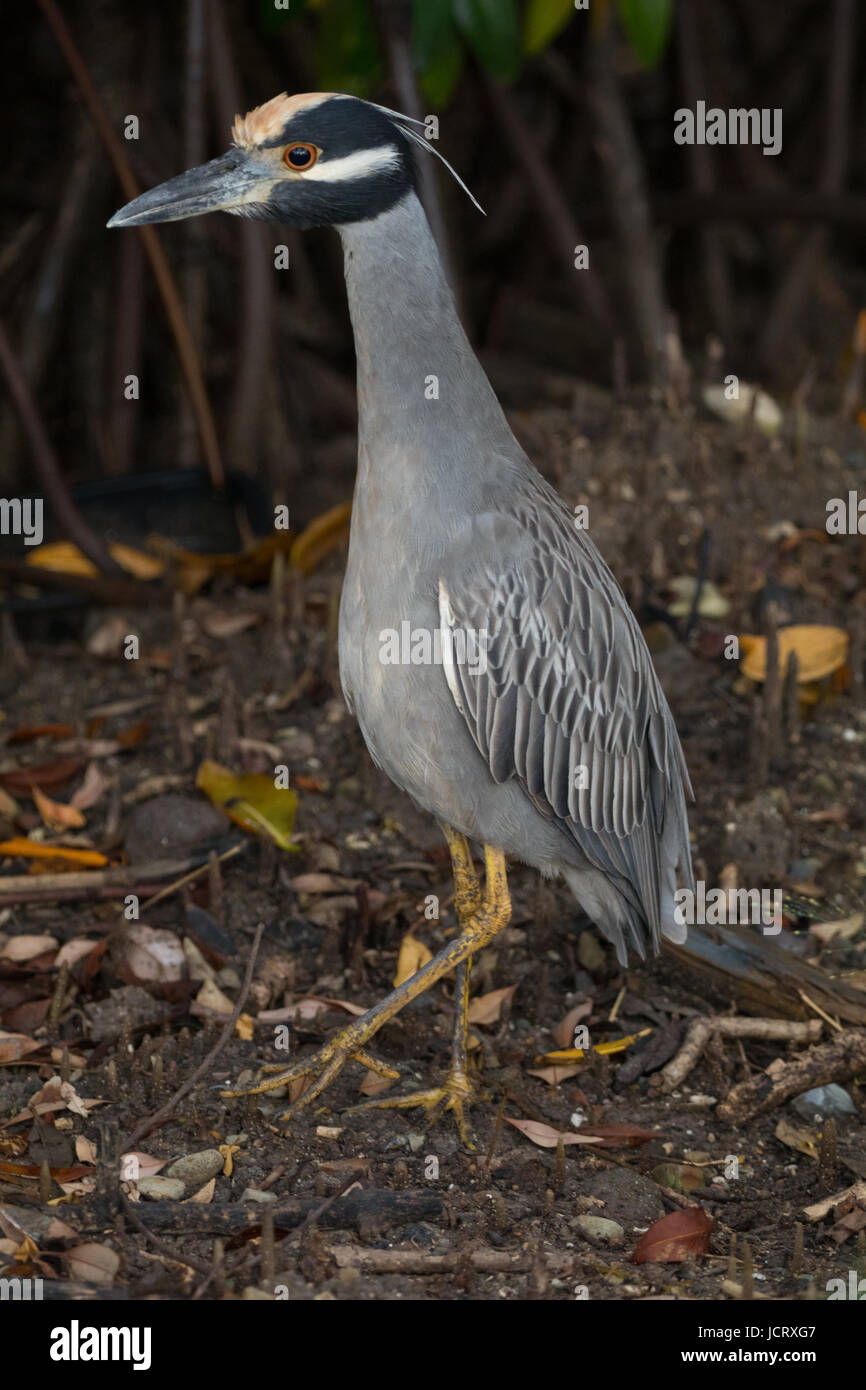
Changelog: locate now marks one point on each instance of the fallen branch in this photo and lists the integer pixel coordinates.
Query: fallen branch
(373, 1261)
(108, 883)
(833, 1061)
(700, 1030)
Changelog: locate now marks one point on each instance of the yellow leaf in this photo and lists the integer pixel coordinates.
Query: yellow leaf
(413, 955)
(20, 847)
(66, 558)
(252, 800)
(820, 651)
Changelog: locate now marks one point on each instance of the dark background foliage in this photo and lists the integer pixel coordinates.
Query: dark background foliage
(561, 121)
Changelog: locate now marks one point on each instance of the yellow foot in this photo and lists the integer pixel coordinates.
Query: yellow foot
(456, 1092)
(321, 1068)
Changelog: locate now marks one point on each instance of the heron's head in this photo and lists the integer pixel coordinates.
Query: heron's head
(315, 160)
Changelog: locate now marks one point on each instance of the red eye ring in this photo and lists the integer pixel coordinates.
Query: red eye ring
(300, 156)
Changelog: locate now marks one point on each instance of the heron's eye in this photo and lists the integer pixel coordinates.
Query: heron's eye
(300, 156)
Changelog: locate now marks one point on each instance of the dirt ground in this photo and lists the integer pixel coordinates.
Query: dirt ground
(510, 1217)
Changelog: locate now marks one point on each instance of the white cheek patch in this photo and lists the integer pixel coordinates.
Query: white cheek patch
(352, 166)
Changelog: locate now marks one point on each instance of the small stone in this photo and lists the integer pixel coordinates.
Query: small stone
(161, 1189)
(253, 1194)
(194, 1170)
(600, 1227)
(823, 1101)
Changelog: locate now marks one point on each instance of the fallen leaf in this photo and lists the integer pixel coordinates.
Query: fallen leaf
(413, 955)
(251, 800)
(820, 651)
(675, 1237)
(843, 929)
(26, 733)
(150, 955)
(546, 1137)
(226, 625)
(20, 780)
(204, 1194)
(210, 996)
(22, 848)
(94, 1264)
(563, 1033)
(26, 947)
(55, 815)
(620, 1135)
(554, 1075)
(14, 1046)
(488, 1007)
(805, 1141)
(91, 789)
(85, 1149)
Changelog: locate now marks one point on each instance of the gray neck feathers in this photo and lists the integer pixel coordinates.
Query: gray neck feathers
(424, 400)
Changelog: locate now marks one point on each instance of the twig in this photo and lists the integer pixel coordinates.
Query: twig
(700, 1030)
(373, 1261)
(160, 1116)
(162, 274)
(47, 464)
(834, 1061)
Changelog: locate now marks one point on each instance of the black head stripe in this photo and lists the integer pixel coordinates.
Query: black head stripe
(340, 126)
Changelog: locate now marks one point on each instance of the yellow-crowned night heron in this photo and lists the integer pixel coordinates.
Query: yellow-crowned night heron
(542, 732)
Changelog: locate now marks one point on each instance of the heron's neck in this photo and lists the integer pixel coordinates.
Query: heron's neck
(421, 389)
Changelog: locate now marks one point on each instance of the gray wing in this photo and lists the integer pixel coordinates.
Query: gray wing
(567, 700)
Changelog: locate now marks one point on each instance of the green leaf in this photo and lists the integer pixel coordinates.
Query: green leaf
(647, 24)
(440, 78)
(348, 50)
(433, 30)
(437, 49)
(492, 30)
(544, 20)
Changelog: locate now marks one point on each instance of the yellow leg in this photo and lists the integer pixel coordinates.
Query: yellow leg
(456, 1091)
(490, 914)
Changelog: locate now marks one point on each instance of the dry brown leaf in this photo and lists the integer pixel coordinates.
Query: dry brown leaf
(14, 1046)
(546, 1136)
(55, 814)
(91, 789)
(94, 1264)
(488, 1007)
(675, 1237)
(204, 1194)
(26, 947)
(563, 1033)
(554, 1075)
(843, 929)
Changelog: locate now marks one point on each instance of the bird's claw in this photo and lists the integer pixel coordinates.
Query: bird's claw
(456, 1093)
(322, 1068)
